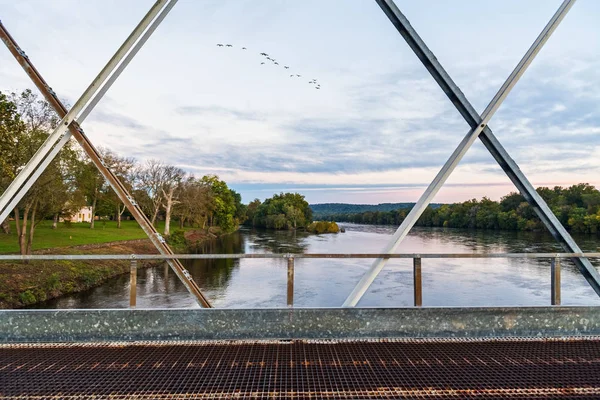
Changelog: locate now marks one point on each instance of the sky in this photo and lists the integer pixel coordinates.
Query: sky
(378, 129)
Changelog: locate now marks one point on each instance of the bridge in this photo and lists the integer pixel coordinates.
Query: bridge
(290, 352)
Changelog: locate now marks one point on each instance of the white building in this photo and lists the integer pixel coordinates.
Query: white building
(83, 215)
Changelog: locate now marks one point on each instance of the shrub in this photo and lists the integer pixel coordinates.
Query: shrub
(323, 227)
(177, 239)
(27, 297)
(53, 281)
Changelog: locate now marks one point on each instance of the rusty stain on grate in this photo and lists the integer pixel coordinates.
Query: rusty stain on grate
(526, 368)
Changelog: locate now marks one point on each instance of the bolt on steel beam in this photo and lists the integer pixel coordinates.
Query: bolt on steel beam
(76, 131)
(490, 141)
(396, 17)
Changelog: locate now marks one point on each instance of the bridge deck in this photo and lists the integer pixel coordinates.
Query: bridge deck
(525, 368)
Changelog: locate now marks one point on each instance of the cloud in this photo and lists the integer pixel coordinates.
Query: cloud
(380, 118)
(116, 119)
(217, 111)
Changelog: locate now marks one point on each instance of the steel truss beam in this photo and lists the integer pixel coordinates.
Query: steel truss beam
(14, 189)
(477, 123)
(50, 149)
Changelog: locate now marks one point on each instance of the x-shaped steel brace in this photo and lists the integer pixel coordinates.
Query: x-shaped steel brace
(69, 126)
(479, 129)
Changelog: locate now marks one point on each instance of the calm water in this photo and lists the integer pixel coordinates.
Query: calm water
(262, 283)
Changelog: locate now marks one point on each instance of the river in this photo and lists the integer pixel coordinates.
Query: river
(326, 282)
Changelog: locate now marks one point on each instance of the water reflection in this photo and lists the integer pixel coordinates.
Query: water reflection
(327, 282)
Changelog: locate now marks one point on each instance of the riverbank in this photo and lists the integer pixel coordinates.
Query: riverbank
(25, 284)
(37, 281)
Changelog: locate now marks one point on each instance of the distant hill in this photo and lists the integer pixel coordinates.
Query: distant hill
(339, 208)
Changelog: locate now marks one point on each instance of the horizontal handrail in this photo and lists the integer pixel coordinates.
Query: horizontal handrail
(291, 257)
(12, 257)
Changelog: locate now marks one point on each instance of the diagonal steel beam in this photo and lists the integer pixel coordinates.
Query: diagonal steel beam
(478, 126)
(490, 141)
(76, 131)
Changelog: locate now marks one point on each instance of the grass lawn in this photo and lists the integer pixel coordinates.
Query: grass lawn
(77, 234)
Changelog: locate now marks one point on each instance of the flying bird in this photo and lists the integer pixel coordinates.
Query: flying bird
(269, 58)
(229, 45)
(220, 44)
(291, 76)
(243, 48)
(276, 63)
(262, 63)
(286, 67)
(298, 75)
(318, 87)
(264, 54)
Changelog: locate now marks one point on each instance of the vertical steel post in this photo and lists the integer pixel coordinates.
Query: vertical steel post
(132, 283)
(555, 282)
(290, 281)
(394, 14)
(417, 284)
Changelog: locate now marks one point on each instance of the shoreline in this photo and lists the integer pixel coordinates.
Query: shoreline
(26, 284)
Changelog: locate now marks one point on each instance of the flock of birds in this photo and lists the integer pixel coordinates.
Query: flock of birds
(273, 61)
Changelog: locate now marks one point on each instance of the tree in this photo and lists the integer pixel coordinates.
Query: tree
(151, 179)
(511, 201)
(574, 195)
(222, 211)
(195, 199)
(283, 211)
(173, 177)
(251, 210)
(91, 185)
(293, 215)
(12, 131)
(123, 168)
(25, 123)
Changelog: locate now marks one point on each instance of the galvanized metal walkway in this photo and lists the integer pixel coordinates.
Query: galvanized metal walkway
(301, 369)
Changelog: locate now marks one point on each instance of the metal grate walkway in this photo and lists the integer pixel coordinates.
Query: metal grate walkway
(304, 369)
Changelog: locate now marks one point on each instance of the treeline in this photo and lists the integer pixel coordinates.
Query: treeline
(282, 211)
(71, 181)
(577, 207)
(325, 209)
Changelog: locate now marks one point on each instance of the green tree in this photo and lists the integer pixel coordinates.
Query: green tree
(223, 210)
(91, 185)
(251, 211)
(283, 211)
(25, 122)
(12, 132)
(123, 168)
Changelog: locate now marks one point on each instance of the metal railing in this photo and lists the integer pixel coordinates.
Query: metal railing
(555, 264)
